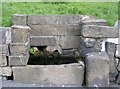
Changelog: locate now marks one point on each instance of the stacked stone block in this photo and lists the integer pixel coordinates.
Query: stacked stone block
(5, 70)
(70, 35)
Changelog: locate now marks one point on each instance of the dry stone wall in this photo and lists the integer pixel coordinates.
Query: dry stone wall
(70, 35)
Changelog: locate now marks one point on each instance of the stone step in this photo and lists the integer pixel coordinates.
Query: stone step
(95, 31)
(50, 74)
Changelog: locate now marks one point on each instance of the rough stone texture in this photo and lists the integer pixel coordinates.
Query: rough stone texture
(87, 42)
(100, 22)
(42, 41)
(117, 54)
(19, 49)
(18, 60)
(110, 49)
(67, 42)
(4, 49)
(97, 69)
(18, 19)
(55, 30)
(4, 35)
(19, 34)
(3, 60)
(5, 71)
(50, 74)
(90, 45)
(95, 31)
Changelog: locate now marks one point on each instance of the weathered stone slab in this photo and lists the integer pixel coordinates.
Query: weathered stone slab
(55, 30)
(67, 42)
(18, 60)
(4, 49)
(18, 49)
(19, 34)
(53, 19)
(18, 19)
(97, 69)
(95, 31)
(4, 34)
(3, 60)
(42, 41)
(50, 74)
(5, 71)
(100, 22)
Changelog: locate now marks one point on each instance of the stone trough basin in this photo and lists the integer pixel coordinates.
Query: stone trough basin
(50, 74)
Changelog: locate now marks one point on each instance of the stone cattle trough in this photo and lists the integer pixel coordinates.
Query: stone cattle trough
(59, 49)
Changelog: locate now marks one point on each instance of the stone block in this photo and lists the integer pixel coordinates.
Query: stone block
(18, 19)
(100, 22)
(18, 60)
(68, 42)
(47, 30)
(95, 31)
(117, 54)
(3, 60)
(55, 30)
(87, 42)
(18, 49)
(4, 49)
(5, 71)
(50, 74)
(19, 34)
(97, 69)
(53, 19)
(42, 41)
(5, 35)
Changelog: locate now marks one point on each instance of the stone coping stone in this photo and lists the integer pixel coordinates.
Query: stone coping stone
(56, 19)
(100, 22)
(19, 19)
(50, 74)
(95, 31)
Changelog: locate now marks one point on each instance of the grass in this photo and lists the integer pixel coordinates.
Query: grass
(100, 10)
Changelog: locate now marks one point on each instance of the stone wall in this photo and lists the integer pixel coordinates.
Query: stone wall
(68, 34)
